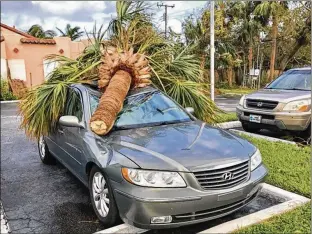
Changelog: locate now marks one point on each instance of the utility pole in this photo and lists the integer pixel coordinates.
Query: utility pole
(212, 50)
(165, 15)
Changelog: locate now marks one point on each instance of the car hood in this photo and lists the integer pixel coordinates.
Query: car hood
(191, 146)
(279, 95)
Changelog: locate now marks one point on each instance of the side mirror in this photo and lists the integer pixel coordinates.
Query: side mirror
(190, 110)
(70, 121)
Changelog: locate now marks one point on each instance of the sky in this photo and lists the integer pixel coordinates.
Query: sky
(52, 14)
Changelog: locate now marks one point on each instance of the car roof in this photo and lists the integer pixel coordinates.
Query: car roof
(300, 68)
(94, 90)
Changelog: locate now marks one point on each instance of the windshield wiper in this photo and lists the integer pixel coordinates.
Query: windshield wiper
(298, 89)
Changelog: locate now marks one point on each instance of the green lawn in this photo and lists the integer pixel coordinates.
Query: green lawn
(288, 165)
(295, 221)
(236, 91)
(226, 117)
(289, 169)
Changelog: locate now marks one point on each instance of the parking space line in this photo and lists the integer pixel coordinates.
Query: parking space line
(3, 220)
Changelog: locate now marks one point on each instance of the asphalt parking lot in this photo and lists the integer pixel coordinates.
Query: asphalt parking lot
(48, 199)
(38, 198)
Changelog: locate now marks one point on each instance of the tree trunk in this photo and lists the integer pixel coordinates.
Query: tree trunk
(202, 66)
(301, 40)
(111, 103)
(250, 55)
(273, 51)
(230, 76)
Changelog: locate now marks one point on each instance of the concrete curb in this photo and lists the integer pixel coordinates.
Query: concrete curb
(262, 137)
(122, 228)
(228, 125)
(4, 222)
(262, 215)
(13, 101)
(293, 201)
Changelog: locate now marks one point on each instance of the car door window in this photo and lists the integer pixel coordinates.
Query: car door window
(74, 105)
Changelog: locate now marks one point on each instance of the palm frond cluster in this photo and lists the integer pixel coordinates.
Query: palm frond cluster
(174, 69)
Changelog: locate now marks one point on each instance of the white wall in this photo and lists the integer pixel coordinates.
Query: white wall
(4, 69)
(17, 69)
(48, 67)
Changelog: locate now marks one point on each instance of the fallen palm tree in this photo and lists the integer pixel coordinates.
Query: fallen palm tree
(117, 74)
(118, 64)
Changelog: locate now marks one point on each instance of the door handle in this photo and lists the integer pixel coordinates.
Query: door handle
(60, 131)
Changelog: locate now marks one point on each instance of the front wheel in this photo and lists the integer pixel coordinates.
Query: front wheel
(249, 128)
(44, 153)
(102, 198)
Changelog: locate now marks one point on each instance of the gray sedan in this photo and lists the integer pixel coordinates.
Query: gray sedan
(159, 167)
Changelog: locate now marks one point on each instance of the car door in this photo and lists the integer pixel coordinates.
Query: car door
(70, 140)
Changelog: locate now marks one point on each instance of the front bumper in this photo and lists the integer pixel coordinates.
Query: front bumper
(279, 119)
(137, 205)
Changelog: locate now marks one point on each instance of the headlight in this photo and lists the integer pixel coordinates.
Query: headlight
(241, 101)
(301, 106)
(148, 178)
(255, 160)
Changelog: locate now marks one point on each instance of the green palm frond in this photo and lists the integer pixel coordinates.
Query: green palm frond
(175, 70)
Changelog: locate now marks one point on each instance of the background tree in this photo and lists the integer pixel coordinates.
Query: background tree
(72, 32)
(272, 10)
(37, 31)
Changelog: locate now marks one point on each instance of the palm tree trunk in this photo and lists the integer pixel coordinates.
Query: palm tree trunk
(250, 55)
(111, 103)
(273, 51)
(230, 76)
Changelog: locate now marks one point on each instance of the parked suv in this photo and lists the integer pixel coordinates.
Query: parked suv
(284, 104)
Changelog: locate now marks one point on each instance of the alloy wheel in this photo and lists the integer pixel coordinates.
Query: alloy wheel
(42, 147)
(100, 194)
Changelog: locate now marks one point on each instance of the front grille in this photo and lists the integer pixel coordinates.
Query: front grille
(261, 104)
(214, 212)
(215, 179)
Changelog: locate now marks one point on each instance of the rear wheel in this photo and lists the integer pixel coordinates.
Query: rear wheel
(249, 128)
(44, 153)
(102, 198)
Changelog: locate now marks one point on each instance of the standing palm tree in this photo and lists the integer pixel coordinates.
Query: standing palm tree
(73, 33)
(37, 31)
(273, 10)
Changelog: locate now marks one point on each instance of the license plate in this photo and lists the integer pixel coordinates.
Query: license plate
(255, 118)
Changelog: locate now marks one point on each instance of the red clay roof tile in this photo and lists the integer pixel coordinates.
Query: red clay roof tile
(38, 41)
(16, 31)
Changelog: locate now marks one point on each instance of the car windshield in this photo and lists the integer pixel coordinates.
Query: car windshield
(146, 109)
(293, 80)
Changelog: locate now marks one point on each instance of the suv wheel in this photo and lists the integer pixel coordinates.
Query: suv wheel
(249, 128)
(44, 153)
(102, 198)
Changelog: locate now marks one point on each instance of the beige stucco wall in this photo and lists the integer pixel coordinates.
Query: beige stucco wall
(34, 54)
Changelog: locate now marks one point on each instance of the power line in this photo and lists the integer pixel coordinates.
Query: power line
(165, 15)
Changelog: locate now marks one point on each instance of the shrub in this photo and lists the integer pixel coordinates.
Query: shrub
(6, 94)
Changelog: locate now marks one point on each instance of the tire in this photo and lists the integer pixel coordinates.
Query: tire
(306, 134)
(249, 128)
(101, 191)
(44, 153)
